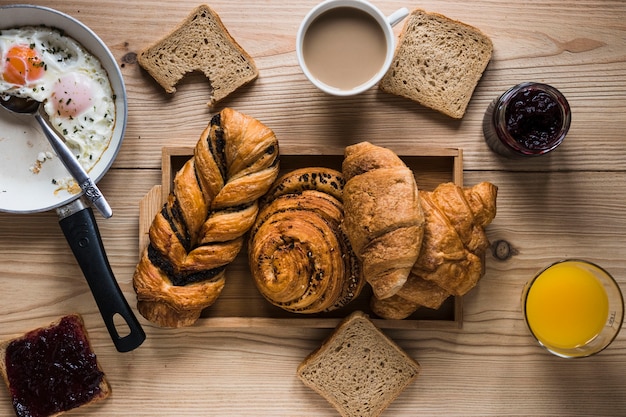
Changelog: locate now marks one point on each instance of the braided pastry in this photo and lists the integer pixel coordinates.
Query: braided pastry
(454, 244)
(299, 257)
(200, 229)
(383, 219)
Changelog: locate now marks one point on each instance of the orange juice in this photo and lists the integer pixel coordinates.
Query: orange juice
(566, 306)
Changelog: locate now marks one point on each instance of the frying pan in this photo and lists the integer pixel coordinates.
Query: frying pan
(32, 182)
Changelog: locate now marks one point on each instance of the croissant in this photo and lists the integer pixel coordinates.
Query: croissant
(383, 217)
(201, 227)
(299, 256)
(451, 258)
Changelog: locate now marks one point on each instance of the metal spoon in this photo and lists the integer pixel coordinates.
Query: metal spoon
(21, 105)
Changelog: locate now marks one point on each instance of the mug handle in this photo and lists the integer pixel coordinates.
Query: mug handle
(397, 16)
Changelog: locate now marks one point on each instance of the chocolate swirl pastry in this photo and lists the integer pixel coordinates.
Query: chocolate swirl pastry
(201, 227)
(299, 256)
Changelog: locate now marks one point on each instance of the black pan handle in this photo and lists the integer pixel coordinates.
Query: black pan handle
(82, 234)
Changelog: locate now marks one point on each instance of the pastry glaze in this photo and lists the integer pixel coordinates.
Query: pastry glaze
(201, 227)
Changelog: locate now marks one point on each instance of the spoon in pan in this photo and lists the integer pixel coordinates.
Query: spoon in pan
(92, 192)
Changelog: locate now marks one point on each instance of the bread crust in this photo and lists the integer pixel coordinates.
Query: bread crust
(358, 369)
(200, 43)
(438, 62)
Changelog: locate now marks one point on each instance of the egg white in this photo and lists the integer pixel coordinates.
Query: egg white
(89, 133)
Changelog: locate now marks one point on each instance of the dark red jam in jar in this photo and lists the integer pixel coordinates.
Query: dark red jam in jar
(529, 119)
(53, 369)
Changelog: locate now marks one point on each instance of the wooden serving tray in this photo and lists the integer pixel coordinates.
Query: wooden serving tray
(241, 304)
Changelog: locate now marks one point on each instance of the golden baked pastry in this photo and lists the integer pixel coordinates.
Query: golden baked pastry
(451, 258)
(201, 227)
(299, 256)
(383, 217)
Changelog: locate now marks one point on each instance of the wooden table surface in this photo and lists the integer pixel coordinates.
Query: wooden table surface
(568, 204)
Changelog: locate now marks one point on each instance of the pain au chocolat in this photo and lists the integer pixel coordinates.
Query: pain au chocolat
(201, 227)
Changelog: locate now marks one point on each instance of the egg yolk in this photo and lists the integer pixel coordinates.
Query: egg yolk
(22, 65)
(72, 95)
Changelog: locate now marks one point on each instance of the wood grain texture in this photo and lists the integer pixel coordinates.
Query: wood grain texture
(568, 204)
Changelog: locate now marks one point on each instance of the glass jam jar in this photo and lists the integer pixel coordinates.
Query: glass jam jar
(529, 119)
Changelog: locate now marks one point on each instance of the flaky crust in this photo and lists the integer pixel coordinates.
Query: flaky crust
(451, 257)
(299, 256)
(383, 217)
(201, 227)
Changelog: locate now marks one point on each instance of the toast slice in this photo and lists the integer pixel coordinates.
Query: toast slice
(200, 43)
(438, 62)
(358, 369)
(52, 369)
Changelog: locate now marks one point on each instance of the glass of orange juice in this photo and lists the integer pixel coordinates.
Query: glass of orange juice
(573, 308)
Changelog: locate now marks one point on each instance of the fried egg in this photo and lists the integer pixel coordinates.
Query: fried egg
(43, 64)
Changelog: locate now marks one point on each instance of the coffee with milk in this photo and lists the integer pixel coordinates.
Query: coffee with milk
(344, 47)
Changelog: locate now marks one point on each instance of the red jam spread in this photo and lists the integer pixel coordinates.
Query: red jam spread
(534, 119)
(52, 369)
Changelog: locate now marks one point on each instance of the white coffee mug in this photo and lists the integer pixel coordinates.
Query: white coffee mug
(352, 9)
